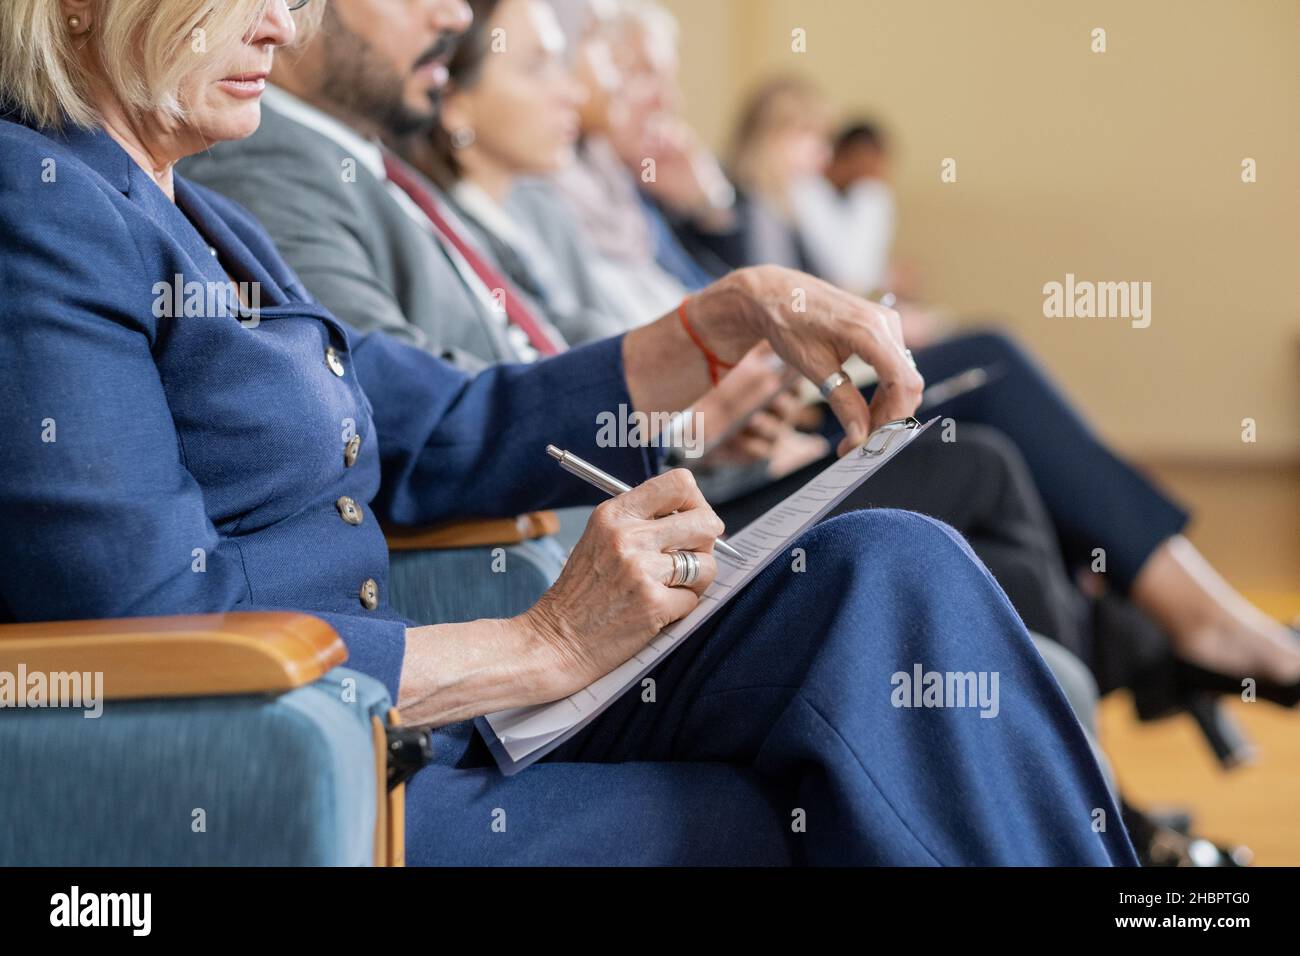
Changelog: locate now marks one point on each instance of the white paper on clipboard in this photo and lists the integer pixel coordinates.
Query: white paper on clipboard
(523, 735)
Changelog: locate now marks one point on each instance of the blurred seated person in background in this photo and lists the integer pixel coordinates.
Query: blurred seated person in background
(860, 171)
(680, 180)
(847, 214)
(780, 143)
(827, 209)
(858, 174)
(509, 117)
(601, 194)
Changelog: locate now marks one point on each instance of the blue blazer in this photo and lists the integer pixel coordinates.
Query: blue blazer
(165, 460)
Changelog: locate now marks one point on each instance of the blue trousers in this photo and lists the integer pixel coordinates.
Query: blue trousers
(775, 735)
(1095, 499)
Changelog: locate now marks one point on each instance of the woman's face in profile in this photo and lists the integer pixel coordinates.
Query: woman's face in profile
(524, 107)
(222, 97)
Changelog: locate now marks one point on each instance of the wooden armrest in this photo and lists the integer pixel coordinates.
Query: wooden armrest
(390, 820)
(185, 656)
(475, 533)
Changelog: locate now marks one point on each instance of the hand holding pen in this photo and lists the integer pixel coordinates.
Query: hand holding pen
(643, 561)
(612, 486)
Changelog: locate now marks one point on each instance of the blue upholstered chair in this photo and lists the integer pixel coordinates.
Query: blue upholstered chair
(237, 739)
(224, 739)
(473, 569)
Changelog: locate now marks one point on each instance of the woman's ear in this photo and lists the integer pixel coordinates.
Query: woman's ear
(77, 15)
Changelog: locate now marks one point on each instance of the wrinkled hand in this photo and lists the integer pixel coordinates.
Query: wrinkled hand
(815, 327)
(721, 412)
(764, 431)
(613, 597)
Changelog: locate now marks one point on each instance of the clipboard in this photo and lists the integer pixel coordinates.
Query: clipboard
(523, 735)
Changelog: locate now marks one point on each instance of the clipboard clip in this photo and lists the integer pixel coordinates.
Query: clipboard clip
(879, 440)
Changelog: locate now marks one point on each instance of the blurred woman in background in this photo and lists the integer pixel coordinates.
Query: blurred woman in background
(782, 139)
(510, 115)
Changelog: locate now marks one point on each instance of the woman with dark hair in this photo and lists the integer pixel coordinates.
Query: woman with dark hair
(509, 116)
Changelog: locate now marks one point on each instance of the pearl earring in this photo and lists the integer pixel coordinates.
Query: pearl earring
(462, 137)
(74, 22)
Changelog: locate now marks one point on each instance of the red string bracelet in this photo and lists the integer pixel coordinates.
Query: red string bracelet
(715, 363)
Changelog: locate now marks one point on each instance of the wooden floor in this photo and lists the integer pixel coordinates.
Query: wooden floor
(1248, 523)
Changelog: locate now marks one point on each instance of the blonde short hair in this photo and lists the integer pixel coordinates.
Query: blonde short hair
(778, 106)
(146, 48)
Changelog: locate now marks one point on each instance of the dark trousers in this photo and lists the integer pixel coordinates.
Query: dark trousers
(979, 484)
(1095, 499)
(776, 735)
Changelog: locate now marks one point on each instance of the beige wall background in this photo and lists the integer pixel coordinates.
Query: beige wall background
(1115, 166)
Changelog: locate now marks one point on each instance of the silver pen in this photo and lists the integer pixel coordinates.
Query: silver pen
(958, 385)
(612, 486)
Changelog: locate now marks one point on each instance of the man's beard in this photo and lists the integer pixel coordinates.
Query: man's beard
(360, 82)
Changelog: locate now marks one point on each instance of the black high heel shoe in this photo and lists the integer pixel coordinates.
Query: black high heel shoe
(1130, 650)
(1158, 843)
(1168, 688)
(1197, 679)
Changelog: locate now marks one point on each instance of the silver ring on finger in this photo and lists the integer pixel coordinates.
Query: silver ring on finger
(680, 567)
(911, 361)
(693, 569)
(686, 569)
(831, 382)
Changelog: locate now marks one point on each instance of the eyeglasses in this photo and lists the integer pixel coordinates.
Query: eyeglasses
(297, 4)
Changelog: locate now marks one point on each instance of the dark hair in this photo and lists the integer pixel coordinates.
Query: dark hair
(464, 69)
(860, 133)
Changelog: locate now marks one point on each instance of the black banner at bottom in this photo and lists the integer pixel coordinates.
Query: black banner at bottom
(381, 907)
